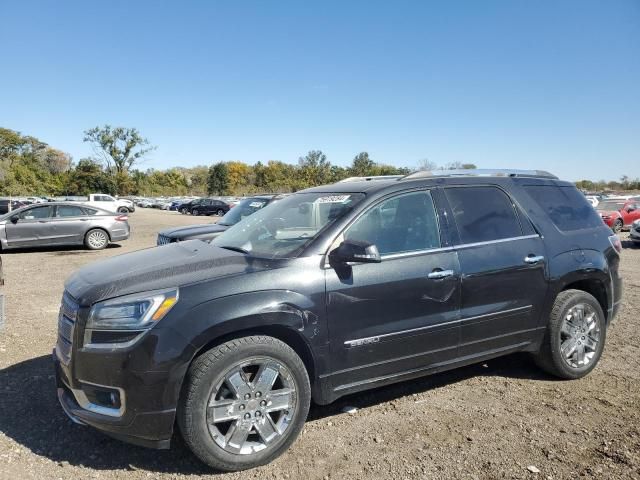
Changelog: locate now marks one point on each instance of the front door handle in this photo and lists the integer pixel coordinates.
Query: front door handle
(437, 274)
(534, 259)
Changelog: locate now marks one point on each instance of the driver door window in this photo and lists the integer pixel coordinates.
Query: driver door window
(37, 213)
(401, 224)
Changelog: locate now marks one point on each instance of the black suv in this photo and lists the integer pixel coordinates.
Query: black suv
(208, 231)
(331, 291)
(210, 206)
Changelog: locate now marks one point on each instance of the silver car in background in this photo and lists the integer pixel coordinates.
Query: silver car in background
(62, 223)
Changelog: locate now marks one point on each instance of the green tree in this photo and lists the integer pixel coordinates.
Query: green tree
(314, 169)
(119, 148)
(88, 177)
(362, 165)
(218, 180)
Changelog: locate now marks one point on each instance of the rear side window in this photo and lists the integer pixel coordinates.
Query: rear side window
(483, 214)
(70, 211)
(567, 208)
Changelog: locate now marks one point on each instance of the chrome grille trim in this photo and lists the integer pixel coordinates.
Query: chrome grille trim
(66, 327)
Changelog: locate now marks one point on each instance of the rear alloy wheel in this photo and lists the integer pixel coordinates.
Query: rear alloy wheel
(96, 239)
(184, 211)
(575, 336)
(195, 212)
(244, 403)
(220, 213)
(617, 226)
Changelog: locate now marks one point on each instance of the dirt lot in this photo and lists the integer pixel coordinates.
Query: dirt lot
(494, 420)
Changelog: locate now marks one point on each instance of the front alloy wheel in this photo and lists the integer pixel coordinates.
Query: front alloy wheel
(252, 406)
(617, 226)
(244, 403)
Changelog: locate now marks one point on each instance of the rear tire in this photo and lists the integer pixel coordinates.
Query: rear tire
(123, 210)
(96, 239)
(220, 213)
(244, 403)
(195, 212)
(575, 336)
(184, 211)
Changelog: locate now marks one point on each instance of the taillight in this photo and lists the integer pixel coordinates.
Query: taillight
(616, 243)
(122, 218)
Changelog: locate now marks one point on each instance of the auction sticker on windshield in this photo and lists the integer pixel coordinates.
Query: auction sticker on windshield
(333, 199)
(256, 204)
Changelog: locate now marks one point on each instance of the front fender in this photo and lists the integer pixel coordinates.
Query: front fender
(257, 310)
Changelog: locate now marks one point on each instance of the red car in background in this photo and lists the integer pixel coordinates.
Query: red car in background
(619, 214)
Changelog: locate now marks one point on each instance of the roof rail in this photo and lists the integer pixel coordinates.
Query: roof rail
(481, 172)
(371, 178)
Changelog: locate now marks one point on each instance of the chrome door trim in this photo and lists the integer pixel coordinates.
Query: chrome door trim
(458, 247)
(377, 338)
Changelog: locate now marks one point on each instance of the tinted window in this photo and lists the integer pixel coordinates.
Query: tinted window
(567, 208)
(36, 213)
(483, 214)
(70, 211)
(401, 224)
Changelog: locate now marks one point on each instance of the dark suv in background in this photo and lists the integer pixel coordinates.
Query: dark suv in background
(331, 291)
(210, 206)
(209, 231)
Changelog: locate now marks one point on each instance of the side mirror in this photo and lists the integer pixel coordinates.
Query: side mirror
(631, 209)
(354, 251)
(14, 219)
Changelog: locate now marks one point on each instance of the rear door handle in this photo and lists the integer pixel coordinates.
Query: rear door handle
(534, 259)
(436, 274)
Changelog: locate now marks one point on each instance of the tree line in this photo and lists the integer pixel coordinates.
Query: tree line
(29, 166)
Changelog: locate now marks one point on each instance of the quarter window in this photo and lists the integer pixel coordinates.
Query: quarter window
(567, 208)
(401, 224)
(483, 214)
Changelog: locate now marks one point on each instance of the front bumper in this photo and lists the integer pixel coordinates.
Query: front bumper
(145, 378)
(147, 429)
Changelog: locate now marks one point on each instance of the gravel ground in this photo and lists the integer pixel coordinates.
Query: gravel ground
(501, 419)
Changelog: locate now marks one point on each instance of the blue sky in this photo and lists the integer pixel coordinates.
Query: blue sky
(551, 85)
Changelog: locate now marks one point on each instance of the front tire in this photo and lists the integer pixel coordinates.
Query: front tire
(617, 226)
(220, 213)
(575, 336)
(244, 403)
(195, 212)
(123, 210)
(96, 239)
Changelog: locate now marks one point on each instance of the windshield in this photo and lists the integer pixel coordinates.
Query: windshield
(245, 208)
(285, 227)
(609, 206)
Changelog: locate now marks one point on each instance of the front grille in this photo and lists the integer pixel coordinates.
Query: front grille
(162, 240)
(66, 326)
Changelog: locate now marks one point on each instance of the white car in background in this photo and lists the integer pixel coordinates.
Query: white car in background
(593, 200)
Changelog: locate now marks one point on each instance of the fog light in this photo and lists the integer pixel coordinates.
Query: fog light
(102, 396)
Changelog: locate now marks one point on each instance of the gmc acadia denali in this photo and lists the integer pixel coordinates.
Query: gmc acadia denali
(331, 291)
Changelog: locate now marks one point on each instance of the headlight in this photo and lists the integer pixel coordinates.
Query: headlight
(132, 312)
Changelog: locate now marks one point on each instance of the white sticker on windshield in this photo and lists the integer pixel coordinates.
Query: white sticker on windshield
(256, 204)
(334, 199)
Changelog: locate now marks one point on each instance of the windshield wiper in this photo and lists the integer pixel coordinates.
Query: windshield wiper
(234, 249)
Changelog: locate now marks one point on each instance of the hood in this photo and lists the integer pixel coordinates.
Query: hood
(173, 265)
(190, 231)
(608, 213)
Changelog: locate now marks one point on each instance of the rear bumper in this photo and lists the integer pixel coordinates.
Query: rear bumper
(634, 235)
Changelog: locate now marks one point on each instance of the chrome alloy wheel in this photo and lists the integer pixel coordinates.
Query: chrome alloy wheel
(252, 406)
(97, 239)
(579, 335)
